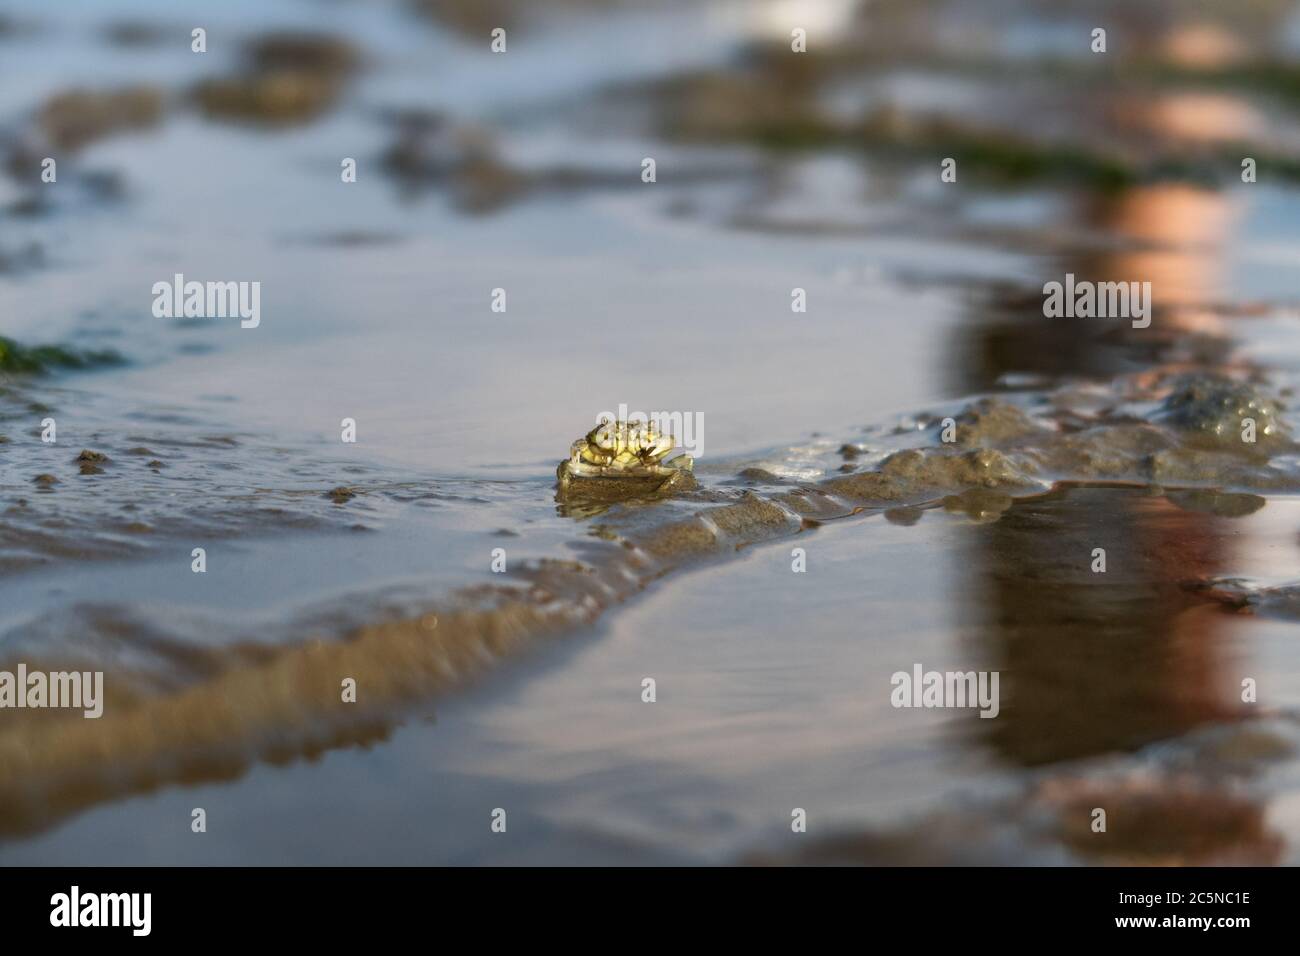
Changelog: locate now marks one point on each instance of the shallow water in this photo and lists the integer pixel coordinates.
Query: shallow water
(773, 687)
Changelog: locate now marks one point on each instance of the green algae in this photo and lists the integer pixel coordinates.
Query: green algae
(1003, 159)
(37, 359)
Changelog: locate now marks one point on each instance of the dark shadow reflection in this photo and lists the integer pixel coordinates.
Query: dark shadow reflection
(1099, 662)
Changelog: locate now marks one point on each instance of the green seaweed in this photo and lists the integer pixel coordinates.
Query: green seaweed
(1267, 77)
(1009, 160)
(36, 359)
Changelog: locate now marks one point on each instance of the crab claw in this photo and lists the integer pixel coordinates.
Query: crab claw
(658, 446)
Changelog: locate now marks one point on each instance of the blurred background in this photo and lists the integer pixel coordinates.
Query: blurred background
(522, 170)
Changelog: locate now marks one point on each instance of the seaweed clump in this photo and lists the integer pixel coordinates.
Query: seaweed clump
(288, 78)
(20, 359)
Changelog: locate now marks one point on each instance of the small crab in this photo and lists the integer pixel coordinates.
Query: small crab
(622, 459)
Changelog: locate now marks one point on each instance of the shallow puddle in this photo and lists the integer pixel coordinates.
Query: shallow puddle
(837, 538)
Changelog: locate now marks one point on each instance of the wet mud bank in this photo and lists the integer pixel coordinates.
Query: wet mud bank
(280, 703)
